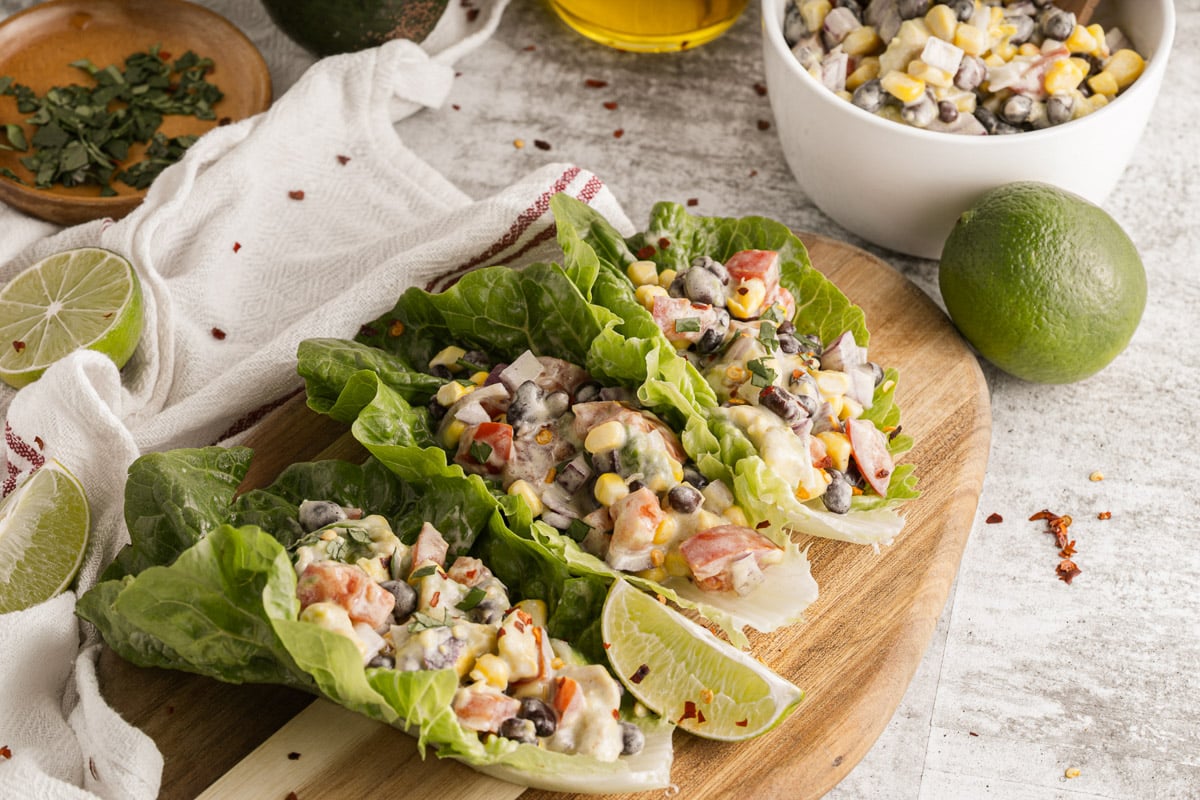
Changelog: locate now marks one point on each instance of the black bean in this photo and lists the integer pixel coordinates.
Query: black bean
(787, 326)
(381, 661)
(316, 514)
(837, 493)
(701, 286)
(587, 392)
(712, 265)
(1017, 109)
(526, 404)
(477, 358)
(675, 289)
(440, 371)
(556, 404)
(971, 72)
(854, 476)
(714, 335)
(632, 739)
(693, 476)
(684, 499)
(519, 730)
(912, 8)
(1059, 109)
(1058, 24)
(545, 722)
(810, 404)
(788, 343)
(1024, 25)
(987, 119)
(794, 28)
(406, 599)
(436, 409)
(869, 96)
(636, 485)
(963, 9)
(947, 111)
(1095, 64)
(921, 112)
(782, 403)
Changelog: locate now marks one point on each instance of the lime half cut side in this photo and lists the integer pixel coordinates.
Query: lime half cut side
(43, 535)
(688, 676)
(81, 298)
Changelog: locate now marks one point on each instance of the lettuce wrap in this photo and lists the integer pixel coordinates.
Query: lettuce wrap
(599, 260)
(208, 586)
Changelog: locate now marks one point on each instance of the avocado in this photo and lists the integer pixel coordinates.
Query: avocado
(325, 27)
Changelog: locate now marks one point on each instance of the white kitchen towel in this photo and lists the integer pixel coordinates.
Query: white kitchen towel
(304, 221)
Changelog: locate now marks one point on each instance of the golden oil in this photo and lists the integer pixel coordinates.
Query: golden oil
(650, 26)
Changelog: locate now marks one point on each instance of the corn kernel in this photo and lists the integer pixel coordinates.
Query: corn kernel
(813, 13)
(1097, 32)
(536, 609)
(861, 41)
(832, 383)
(1029, 49)
(448, 357)
(836, 403)
(837, 447)
(656, 574)
(677, 471)
(1006, 51)
(676, 565)
(868, 69)
(802, 494)
(665, 531)
(942, 22)
(1081, 41)
(929, 74)
(851, 408)
(1125, 66)
(994, 60)
(605, 436)
(453, 433)
(904, 88)
(450, 393)
(666, 278)
(646, 294)
(610, 487)
(1063, 76)
(747, 299)
(970, 40)
(492, 670)
(643, 273)
(524, 490)
(736, 516)
(1104, 83)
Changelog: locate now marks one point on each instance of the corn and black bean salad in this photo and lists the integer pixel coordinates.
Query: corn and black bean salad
(593, 464)
(406, 609)
(976, 67)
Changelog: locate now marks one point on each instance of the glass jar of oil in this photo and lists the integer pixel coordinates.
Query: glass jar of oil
(650, 26)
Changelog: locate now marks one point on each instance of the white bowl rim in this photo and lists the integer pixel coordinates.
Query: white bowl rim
(1155, 66)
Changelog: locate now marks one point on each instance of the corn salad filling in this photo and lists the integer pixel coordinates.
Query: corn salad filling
(965, 66)
(594, 465)
(405, 609)
(800, 401)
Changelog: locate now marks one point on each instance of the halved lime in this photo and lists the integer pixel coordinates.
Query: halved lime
(43, 534)
(686, 675)
(81, 298)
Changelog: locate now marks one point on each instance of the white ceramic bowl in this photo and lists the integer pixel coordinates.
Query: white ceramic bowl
(903, 187)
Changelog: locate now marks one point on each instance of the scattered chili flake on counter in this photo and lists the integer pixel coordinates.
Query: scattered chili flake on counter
(456, 106)
(541, 144)
(518, 143)
(296, 194)
(993, 519)
(611, 105)
(529, 48)
(764, 124)
(618, 133)
(39, 442)
(593, 83)
(1096, 475)
(5, 751)
(1067, 570)
(693, 201)
(343, 160)
(1057, 525)
(760, 89)
(218, 334)
(1104, 515)
(237, 246)
(1071, 772)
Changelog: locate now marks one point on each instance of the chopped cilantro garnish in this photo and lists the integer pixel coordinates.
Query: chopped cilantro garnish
(763, 374)
(423, 622)
(480, 451)
(687, 325)
(424, 571)
(773, 314)
(577, 530)
(767, 337)
(472, 599)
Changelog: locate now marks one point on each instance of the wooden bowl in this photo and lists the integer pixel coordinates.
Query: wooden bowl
(38, 44)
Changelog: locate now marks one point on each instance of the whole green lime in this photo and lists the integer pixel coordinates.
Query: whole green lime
(1045, 284)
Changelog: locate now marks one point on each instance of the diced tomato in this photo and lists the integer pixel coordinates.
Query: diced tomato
(468, 571)
(636, 518)
(487, 445)
(593, 414)
(430, 548)
(870, 450)
(710, 553)
(483, 710)
(681, 320)
(349, 587)
(761, 264)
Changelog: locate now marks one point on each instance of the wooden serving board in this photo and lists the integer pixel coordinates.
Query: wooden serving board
(854, 656)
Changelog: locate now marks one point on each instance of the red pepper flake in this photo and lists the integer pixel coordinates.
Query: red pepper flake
(763, 524)
(541, 144)
(689, 711)
(764, 124)
(607, 645)
(664, 243)
(640, 673)
(611, 105)
(296, 194)
(433, 601)
(529, 48)
(472, 14)
(291, 796)
(293, 756)
(742, 290)
(1067, 571)
(1104, 515)
(164, 55)
(223, 121)
(700, 717)
(593, 83)
(646, 252)
(237, 246)
(218, 334)
(760, 89)
(343, 160)
(753, 172)
(19, 346)
(1069, 550)
(456, 106)
(994, 519)
(367, 330)
(38, 441)
(972, 733)
(618, 133)
(692, 201)
(504, 631)
(5, 751)
(742, 723)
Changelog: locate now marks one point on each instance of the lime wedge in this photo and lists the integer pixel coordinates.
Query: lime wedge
(686, 675)
(43, 533)
(81, 298)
